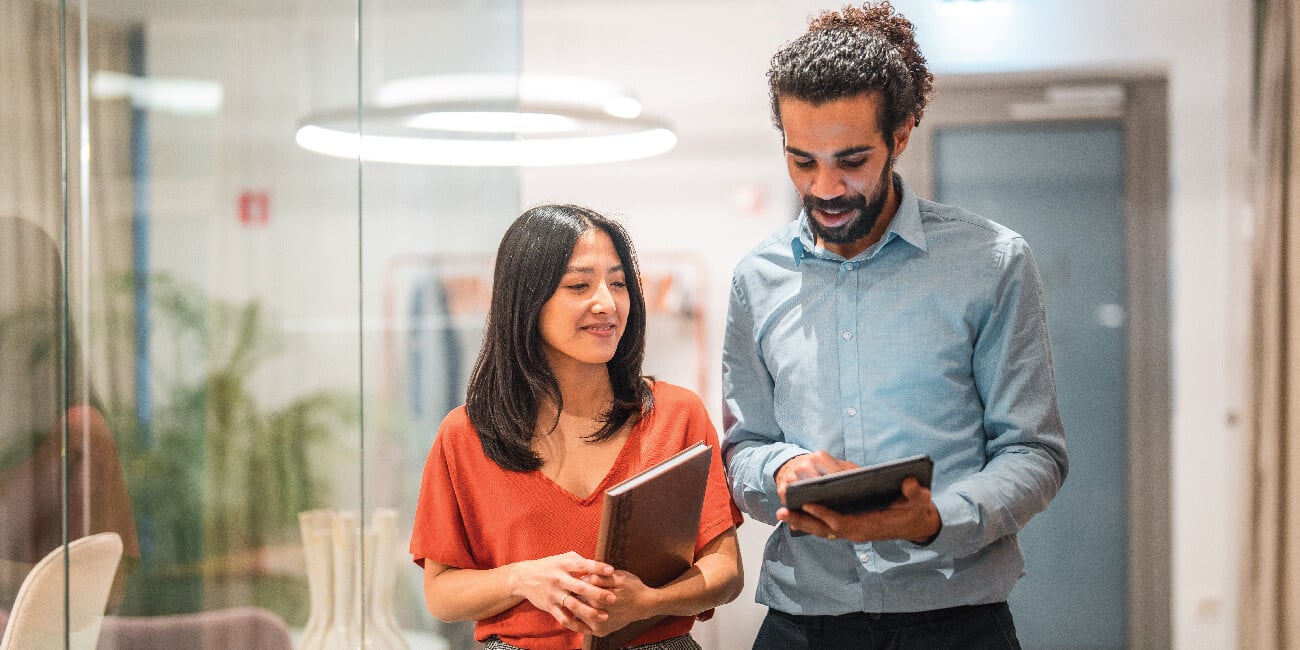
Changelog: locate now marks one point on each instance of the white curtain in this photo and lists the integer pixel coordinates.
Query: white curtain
(32, 171)
(52, 233)
(1270, 612)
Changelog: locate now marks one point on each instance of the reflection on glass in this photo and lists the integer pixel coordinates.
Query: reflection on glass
(42, 396)
(231, 303)
(246, 410)
(61, 476)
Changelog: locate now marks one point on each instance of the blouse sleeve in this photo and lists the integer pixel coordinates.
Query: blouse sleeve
(439, 532)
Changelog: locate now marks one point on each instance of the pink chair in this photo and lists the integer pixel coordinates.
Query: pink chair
(246, 628)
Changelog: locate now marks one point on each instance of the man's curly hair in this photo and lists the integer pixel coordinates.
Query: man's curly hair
(850, 52)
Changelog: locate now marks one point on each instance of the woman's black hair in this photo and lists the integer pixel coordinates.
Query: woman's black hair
(512, 375)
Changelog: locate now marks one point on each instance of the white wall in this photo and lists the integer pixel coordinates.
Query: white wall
(701, 65)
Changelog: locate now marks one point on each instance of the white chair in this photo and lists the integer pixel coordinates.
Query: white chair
(37, 619)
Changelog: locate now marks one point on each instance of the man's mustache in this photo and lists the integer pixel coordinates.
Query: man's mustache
(838, 203)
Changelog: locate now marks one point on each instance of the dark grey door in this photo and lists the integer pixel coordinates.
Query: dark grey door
(1062, 187)
(1067, 175)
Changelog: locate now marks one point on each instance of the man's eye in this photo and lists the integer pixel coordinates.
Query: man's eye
(853, 163)
(803, 164)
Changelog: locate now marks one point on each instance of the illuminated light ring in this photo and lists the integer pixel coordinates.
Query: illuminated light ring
(597, 138)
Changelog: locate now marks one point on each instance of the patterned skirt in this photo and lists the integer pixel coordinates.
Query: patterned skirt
(683, 642)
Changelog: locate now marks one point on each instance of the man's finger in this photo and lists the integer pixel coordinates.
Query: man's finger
(913, 490)
(809, 520)
(824, 516)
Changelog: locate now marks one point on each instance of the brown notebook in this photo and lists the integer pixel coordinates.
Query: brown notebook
(649, 526)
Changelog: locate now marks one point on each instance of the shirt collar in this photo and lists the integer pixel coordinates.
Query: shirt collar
(905, 225)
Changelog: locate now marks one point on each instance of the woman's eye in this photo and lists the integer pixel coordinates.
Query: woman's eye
(576, 287)
(618, 283)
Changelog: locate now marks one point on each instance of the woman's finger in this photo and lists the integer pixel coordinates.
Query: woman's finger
(585, 614)
(576, 564)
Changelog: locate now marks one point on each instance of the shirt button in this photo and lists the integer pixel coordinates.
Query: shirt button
(847, 335)
(864, 557)
(850, 266)
(852, 411)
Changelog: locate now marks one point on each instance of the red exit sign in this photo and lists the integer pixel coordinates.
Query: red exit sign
(254, 208)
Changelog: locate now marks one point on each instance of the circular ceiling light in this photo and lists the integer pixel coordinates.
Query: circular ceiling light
(492, 120)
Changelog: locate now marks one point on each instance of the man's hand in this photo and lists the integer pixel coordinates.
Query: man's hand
(818, 463)
(912, 517)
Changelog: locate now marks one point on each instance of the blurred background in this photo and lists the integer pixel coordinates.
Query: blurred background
(247, 247)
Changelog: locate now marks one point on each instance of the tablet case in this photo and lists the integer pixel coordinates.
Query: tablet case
(858, 490)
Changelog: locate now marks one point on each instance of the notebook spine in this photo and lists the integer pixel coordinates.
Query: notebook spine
(618, 533)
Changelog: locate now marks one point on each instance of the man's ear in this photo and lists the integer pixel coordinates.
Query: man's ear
(902, 135)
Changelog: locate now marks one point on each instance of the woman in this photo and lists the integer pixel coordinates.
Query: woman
(45, 392)
(557, 412)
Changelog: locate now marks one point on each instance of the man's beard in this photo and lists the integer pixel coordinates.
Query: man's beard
(861, 225)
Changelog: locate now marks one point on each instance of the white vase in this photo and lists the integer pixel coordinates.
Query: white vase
(345, 628)
(382, 556)
(318, 552)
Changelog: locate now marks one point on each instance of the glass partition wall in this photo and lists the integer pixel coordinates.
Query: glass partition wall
(229, 324)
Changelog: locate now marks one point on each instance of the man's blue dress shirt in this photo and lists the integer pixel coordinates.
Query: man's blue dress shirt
(932, 341)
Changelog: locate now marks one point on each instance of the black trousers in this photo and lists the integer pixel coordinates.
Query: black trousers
(975, 627)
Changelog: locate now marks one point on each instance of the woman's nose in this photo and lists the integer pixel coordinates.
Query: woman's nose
(603, 300)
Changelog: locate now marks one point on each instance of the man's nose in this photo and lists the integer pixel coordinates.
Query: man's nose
(826, 184)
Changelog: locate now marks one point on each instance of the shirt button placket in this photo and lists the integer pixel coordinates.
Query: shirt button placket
(849, 304)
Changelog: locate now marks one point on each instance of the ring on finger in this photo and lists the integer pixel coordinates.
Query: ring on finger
(566, 597)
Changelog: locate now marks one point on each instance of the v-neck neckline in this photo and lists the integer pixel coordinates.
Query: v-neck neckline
(619, 461)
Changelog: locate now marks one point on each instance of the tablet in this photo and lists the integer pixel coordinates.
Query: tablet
(861, 489)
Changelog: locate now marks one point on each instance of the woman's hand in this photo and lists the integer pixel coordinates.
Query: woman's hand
(632, 601)
(715, 579)
(554, 585)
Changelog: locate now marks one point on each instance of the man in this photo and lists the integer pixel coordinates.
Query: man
(879, 326)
